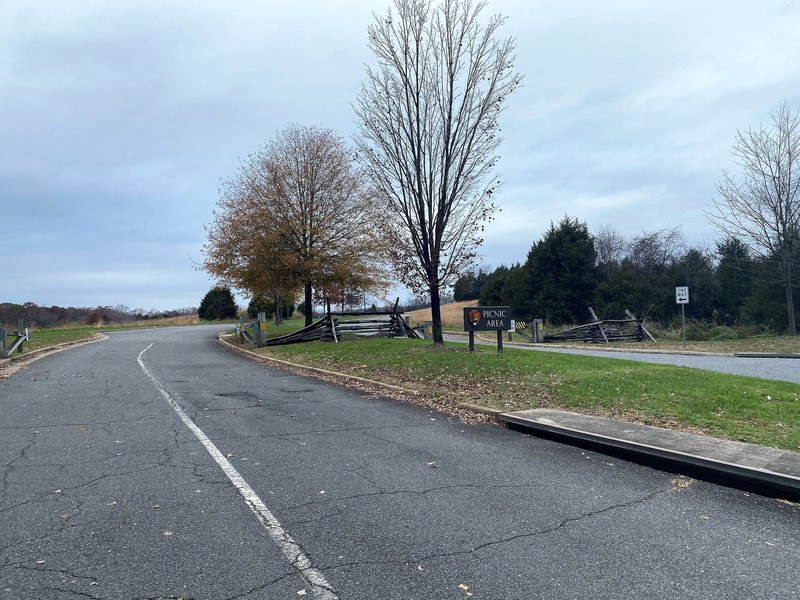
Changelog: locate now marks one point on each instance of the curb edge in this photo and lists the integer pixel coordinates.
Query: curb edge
(261, 357)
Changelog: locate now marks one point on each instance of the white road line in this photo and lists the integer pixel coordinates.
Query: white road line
(291, 549)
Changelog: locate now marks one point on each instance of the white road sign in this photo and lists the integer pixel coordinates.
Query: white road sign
(682, 294)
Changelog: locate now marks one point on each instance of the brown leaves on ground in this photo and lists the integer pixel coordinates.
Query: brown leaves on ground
(681, 483)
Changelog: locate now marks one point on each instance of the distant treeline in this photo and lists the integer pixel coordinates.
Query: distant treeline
(58, 316)
(570, 269)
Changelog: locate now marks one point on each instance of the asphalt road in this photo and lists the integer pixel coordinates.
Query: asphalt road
(180, 470)
(779, 369)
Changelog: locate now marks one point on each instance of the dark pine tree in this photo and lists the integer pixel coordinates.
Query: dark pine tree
(561, 274)
(218, 304)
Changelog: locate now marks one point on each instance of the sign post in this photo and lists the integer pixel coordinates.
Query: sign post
(487, 318)
(682, 298)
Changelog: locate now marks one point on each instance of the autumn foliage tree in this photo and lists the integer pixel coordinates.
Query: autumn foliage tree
(428, 119)
(296, 215)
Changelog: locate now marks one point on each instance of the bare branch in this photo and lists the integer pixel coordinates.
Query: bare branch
(428, 116)
(762, 208)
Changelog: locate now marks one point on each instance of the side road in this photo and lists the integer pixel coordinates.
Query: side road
(778, 369)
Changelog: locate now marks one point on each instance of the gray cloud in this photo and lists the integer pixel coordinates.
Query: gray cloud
(118, 120)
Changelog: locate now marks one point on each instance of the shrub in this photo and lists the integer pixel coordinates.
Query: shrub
(697, 331)
(723, 332)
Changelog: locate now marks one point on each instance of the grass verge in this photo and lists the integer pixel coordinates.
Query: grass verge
(44, 338)
(740, 408)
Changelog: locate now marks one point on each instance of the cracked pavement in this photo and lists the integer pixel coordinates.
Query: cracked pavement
(104, 493)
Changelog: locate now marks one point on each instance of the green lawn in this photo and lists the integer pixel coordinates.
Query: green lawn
(742, 408)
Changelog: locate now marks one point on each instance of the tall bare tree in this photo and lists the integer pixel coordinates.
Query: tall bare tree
(762, 208)
(428, 119)
(297, 214)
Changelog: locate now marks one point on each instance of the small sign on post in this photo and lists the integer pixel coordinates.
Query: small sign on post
(487, 318)
(682, 298)
(261, 330)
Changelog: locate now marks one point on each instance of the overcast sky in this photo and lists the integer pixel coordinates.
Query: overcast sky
(118, 118)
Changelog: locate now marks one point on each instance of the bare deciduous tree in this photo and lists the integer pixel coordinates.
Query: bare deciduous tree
(296, 215)
(654, 249)
(762, 208)
(428, 117)
(609, 246)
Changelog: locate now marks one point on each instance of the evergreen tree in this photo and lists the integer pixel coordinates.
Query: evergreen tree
(734, 275)
(217, 304)
(561, 275)
(624, 288)
(468, 286)
(491, 293)
(766, 303)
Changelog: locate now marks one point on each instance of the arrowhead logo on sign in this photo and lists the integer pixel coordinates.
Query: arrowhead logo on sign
(682, 294)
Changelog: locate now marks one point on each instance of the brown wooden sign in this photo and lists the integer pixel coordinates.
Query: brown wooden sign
(488, 318)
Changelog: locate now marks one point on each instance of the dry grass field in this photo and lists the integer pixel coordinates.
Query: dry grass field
(452, 314)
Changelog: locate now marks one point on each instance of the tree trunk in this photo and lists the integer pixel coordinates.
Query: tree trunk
(278, 309)
(436, 314)
(308, 306)
(790, 309)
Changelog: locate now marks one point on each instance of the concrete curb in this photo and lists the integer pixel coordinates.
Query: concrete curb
(596, 347)
(757, 476)
(483, 410)
(256, 356)
(11, 366)
(766, 355)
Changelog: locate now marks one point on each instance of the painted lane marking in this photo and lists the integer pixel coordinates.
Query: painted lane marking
(290, 549)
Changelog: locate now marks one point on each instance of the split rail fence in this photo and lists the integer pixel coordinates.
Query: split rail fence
(332, 328)
(596, 331)
(12, 340)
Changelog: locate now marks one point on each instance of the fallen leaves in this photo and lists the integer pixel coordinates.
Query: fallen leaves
(681, 483)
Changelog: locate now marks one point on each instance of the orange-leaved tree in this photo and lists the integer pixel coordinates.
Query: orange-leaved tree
(297, 214)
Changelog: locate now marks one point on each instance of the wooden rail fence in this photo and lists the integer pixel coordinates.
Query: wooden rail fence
(12, 340)
(334, 327)
(596, 331)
